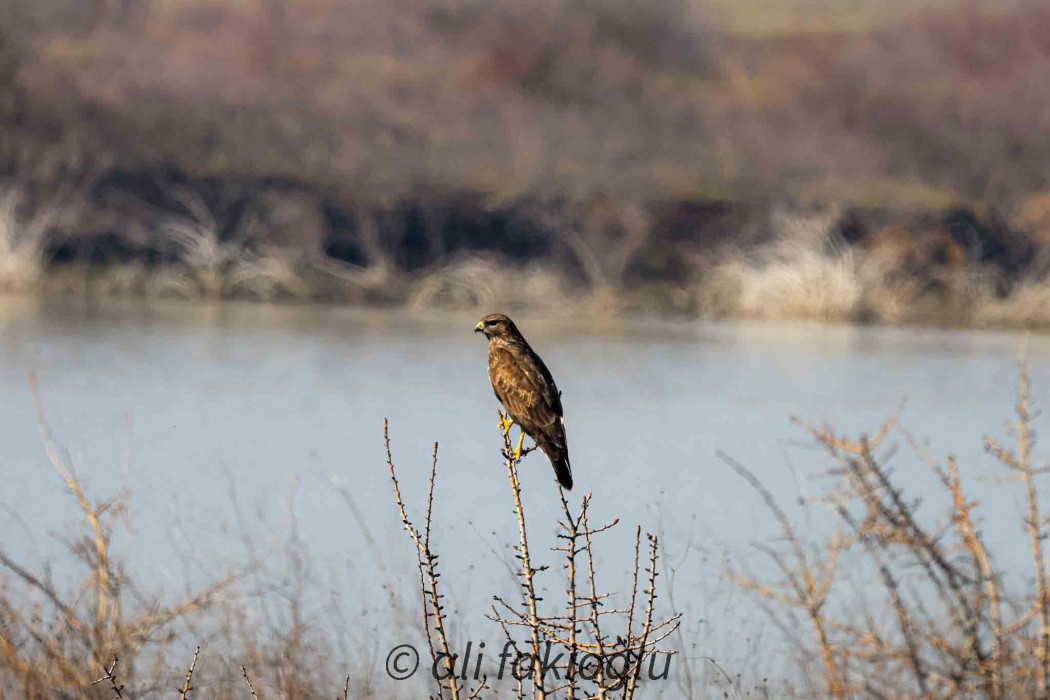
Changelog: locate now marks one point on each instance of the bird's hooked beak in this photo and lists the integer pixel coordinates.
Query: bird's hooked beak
(480, 328)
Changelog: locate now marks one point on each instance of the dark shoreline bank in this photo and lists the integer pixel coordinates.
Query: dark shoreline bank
(688, 259)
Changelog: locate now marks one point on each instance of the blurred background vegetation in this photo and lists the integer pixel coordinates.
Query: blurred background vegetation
(862, 160)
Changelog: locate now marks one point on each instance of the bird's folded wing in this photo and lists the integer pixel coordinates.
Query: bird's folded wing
(527, 392)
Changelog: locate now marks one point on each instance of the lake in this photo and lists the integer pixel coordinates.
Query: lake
(261, 420)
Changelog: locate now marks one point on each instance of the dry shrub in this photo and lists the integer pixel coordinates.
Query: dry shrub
(106, 634)
(898, 274)
(1025, 301)
(56, 641)
(932, 612)
(621, 643)
(1027, 305)
(211, 266)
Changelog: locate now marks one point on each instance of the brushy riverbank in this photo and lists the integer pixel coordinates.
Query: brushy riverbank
(712, 260)
(882, 163)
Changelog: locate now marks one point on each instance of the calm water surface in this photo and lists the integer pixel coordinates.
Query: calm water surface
(267, 420)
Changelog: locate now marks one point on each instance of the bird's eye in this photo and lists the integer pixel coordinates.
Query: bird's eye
(490, 323)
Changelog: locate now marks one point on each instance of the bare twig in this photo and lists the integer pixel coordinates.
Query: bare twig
(247, 680)
(953, 629)
(527, 571)
(186, 687)
(572, 531)
(593, 608)
(431, 592)
(109, 676)
(809, 594)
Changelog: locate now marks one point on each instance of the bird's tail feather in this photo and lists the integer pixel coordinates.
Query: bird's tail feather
(559, 457)
(563, 471)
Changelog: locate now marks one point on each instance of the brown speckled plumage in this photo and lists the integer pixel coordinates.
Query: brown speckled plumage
(525, 387)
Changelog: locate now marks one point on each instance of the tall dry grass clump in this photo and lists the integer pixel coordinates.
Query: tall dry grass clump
(940, 614)
(587, 645)
(23, 254)
(478, 281)
(801, 274)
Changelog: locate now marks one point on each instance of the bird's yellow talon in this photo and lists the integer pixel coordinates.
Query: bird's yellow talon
(517, 450)
(504, 424)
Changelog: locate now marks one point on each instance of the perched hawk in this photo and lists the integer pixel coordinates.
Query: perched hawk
(525, 387)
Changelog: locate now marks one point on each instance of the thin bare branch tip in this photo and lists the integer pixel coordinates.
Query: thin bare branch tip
(247, 680)
(186, 687)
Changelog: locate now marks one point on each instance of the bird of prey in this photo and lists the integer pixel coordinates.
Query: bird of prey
(525, 387)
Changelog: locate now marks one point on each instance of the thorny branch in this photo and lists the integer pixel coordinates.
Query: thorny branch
(562, 628)
(953, 630)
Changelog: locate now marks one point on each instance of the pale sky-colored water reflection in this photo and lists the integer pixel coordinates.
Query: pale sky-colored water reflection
(277, 403)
